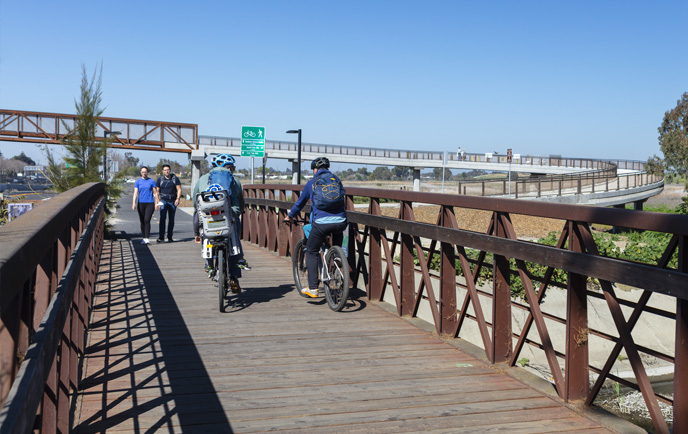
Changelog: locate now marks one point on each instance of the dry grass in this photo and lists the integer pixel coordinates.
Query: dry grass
(479, 221)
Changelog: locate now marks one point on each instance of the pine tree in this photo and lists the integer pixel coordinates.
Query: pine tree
(84, 151)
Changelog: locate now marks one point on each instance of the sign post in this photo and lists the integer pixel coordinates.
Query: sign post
(509, 156)
(265, 160)
(444, 166)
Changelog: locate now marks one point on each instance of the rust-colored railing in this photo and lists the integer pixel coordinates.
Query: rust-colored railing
(51, 128)
(48, 264)
(382, 248)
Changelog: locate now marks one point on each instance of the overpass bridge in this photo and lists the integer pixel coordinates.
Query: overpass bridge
(136, 134)
(418, 348)
(552, 179)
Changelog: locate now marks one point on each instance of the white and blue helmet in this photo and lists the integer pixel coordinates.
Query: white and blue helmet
(222, 160)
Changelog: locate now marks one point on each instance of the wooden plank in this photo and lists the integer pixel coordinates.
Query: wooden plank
(161, 356)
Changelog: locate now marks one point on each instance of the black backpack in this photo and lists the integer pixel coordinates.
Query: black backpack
(328, 192)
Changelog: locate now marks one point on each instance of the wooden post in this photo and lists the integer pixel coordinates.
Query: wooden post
(501, 301)
(407, 281)
(681, 355)
(375, 266)
(448, 277)
(576, 365)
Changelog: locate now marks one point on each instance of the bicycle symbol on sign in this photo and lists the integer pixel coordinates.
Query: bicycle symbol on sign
(249, 133)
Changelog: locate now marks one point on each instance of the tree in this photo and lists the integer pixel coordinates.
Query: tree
(673, 142)
(437, 173)
(84, 153)
(402, 172)
(381, 173)
(25, 158)
(84, 150)
(11, 167)
(175, 167)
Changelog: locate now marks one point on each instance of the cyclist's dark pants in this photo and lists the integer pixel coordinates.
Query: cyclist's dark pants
(315, 240)
(145, 211)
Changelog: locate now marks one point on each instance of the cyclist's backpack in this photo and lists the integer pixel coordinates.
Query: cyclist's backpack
(223, 178)
(328, 192)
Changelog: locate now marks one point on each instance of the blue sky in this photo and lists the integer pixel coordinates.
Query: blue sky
(574, 78)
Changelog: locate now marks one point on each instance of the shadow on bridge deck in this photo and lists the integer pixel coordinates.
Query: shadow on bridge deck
(161, 356)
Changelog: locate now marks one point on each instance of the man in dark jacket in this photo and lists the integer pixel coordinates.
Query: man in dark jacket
(170, 194)
(323, 223)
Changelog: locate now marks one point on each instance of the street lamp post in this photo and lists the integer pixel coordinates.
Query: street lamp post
(105, 134)
(298, 157)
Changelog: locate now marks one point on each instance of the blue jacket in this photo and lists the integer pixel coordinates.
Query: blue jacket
(316, 214)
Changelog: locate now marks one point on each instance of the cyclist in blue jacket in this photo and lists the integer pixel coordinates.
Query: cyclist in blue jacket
(323, 223)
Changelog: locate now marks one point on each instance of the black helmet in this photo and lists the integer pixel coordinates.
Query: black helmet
(320, 163)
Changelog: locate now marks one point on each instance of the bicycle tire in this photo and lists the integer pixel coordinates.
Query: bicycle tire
(221, 278)
(299, 267)
(337, 287)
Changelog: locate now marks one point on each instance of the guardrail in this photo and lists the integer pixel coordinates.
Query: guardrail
(382, 251)
(357, 151)
(558, 185)
(48, 267)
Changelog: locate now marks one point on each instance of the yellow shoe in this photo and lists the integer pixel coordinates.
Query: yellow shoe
(234, 286)
(310, 292)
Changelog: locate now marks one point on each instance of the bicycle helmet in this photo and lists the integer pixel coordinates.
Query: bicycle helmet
(320, 163)
(222, 160)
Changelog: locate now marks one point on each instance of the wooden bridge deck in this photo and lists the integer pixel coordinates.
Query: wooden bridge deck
(161, 357)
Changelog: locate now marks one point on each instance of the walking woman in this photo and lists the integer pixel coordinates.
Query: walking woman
(147, 194)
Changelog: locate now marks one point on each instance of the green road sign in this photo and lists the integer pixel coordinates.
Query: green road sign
(252, 141)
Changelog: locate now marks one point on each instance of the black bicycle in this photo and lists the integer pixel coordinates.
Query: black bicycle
(220, 271)
(333, 270)
(219, 241)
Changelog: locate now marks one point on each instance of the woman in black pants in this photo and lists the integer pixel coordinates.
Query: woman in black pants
(147, 194)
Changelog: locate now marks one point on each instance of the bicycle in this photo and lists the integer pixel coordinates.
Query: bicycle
(218, 239)
(333, 269)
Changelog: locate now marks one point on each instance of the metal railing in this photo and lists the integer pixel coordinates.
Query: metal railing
(358, 151)
(558, 185)
(48, 265)
(382, 251)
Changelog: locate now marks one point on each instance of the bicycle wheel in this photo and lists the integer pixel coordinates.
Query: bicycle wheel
(298, 261)
(337, 287)
(221, 274)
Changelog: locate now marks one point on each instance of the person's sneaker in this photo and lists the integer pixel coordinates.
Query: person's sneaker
(146, 241)
(143, 241)
(210, 270)
(243, 264)
(159, 240)
(169, 240)
(234, 286)
(310, 292)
